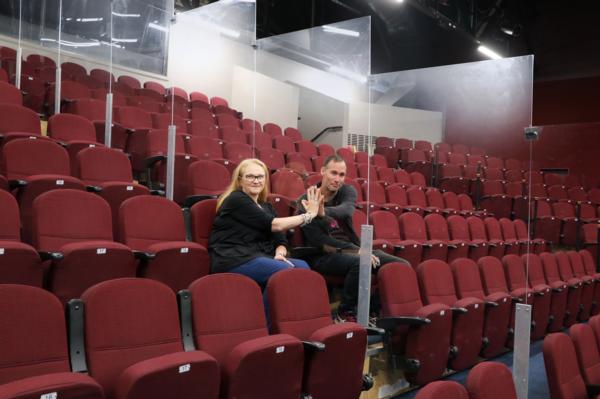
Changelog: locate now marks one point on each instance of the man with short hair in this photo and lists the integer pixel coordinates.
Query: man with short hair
(333, 233)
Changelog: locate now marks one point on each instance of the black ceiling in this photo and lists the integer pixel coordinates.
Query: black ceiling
(564, 36)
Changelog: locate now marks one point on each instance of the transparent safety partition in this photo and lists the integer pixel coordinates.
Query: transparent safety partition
(564, 198)
(456, 137)
(33, 66)
(212, 58)
(12, 25)
(564, 164)
(312, 98)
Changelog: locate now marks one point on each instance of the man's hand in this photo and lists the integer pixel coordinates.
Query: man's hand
(375, 262)
(322, 207)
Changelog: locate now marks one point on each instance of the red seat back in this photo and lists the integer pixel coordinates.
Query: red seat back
(26, 157)
(491, 380)
(227, 309)
(101, 164)
(64, 216)
(16, 118)
(70, 127)
(202, 215)
(436, 282)
(34, 342)
(147, 219)
(138, 316)
(560, 360)
(412, 227)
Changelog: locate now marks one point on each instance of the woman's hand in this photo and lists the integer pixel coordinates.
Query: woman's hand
(313, 200)
(280, 254)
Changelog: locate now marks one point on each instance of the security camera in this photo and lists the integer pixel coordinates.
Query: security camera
(532, 133)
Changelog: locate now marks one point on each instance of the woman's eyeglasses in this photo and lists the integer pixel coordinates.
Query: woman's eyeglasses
(252, 178)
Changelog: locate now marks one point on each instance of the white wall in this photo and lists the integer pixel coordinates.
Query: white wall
(264, 99)
(318, 111)
(203, 60)
(395, 122)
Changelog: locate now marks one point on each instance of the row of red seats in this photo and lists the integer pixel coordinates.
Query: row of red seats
(41, 68)
(73, 230)
(215, 345)
(463, 310)
(423, 145)
(572, 361)
(415, 238)
(512, 199)
(458, 160)
(487, 380)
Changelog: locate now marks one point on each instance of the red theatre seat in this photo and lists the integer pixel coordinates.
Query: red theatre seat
(299, 306)
(19, 262)
(420, 334)
(437, 285)
(35, 356)
(75, 227)
(229, 323)
(154, 227)
(132, 343)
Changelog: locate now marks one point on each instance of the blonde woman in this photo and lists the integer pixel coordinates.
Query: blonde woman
(247, 236)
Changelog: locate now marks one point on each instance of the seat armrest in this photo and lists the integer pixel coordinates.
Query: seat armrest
(491, 304)
(538, 293)
(459, 310)
(16, 184)
(184, 300)
(593, 390)
(93, 189)
(313, 346)
(374, 331)
(151, 161)
(160, 193)
(145, 256)
(192, 199)
(390, 323)
(46, 255)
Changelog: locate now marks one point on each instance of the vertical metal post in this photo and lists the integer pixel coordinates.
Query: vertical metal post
(171, 161)
(19, 49)
(108, 121)
(436, 169)
(578, 226)
(18, 66)
(364, 282)
(598, 247)
(478, 186)
(58, 80)
(521, 349)
(57, 90)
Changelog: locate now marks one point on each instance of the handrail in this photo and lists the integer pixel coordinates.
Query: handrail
(322, 132)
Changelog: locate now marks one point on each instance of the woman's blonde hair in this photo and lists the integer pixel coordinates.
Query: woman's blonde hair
(236, 178)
